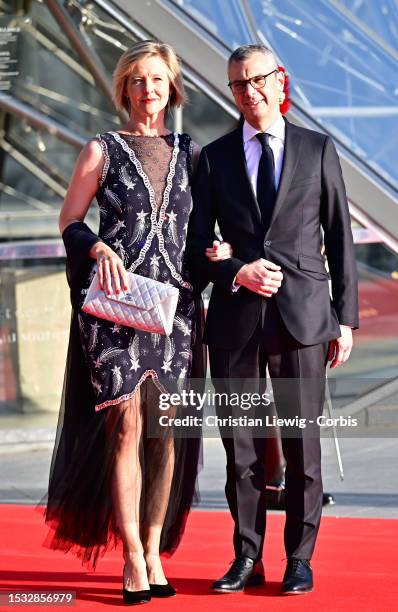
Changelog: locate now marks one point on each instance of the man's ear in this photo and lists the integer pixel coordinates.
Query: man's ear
(281, 79)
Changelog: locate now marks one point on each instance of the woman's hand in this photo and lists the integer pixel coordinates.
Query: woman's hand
(219, 251)
(111, 270)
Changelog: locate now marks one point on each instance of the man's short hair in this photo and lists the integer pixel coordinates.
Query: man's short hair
(245, 51)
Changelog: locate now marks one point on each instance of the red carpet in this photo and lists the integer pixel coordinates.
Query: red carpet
(355, 566)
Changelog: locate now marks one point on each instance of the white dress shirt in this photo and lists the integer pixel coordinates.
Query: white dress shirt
(252, 148)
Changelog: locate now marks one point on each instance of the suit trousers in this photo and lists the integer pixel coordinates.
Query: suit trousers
(297, 373)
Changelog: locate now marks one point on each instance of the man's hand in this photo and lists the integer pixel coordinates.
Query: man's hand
(340, 349)
(261, 276)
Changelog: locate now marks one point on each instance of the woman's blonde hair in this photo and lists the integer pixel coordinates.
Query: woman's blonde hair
(132, 55)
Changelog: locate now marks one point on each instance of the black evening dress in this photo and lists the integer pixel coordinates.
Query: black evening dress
(144, 200)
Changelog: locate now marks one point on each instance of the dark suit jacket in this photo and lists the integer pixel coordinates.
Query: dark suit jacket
(311, 196)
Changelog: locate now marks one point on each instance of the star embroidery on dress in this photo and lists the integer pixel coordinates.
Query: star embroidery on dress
(117, 380)
(125, 178)
(134, 353)
(112, 231)
(139, 228)
(116, 328)
(168, 354)
(97, 386)
(183, 182)
(172, 229)
(154, 266)
(97, 363)
(93, 336)
(154, 259)
(141, 215)
(172, 217)
(182, 325)
(118, 244)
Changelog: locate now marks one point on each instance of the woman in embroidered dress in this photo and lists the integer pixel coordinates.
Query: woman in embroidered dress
(109, 480)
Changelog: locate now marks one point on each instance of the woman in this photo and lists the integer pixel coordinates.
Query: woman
(109, 480)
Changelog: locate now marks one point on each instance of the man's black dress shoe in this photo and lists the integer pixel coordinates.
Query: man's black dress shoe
(243, 572)
(328, 499)
(297, 578)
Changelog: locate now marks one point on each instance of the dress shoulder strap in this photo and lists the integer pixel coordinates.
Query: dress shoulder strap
(105, 152)
(186, 144)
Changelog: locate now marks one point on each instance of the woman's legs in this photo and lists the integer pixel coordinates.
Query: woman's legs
(159, 469)
(158, 484)
(126, 488)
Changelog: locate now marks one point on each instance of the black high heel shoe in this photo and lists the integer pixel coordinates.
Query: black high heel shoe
(162, 590)
(135, 597)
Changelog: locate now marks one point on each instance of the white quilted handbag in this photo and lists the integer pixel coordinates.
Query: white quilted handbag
(148, 305)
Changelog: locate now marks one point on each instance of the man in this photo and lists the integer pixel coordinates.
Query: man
(275, 189)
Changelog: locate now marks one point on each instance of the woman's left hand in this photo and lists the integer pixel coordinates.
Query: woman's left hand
(219, 251)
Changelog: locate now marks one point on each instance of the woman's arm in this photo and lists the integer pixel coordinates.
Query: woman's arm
(82, 188)
(220, 250)
(83, 185)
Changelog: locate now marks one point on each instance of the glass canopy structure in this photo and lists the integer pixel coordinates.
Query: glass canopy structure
(341, 58)
(58, 97)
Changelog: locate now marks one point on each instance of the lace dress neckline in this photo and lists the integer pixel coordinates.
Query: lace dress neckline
(164, 136)
(139, 155)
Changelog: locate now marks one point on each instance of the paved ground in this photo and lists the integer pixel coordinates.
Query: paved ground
(370, 487)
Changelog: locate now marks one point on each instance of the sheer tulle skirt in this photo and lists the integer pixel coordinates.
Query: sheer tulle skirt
(79, 506)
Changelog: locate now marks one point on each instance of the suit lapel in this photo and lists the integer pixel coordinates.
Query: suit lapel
(241, 179)
(291, 156)
(240, 174)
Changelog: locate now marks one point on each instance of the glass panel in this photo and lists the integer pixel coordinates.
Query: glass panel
(339, 76)
(36, 168)
(34, 329)
(51, 78)
(54, 80)
(381, 18)
(223, 19)
(339, 73)
(203, 119)
(374, 359)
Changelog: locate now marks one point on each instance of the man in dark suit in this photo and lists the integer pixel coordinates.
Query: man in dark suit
(276, 191)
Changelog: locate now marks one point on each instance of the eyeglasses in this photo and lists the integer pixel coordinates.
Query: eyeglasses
(257, 82)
